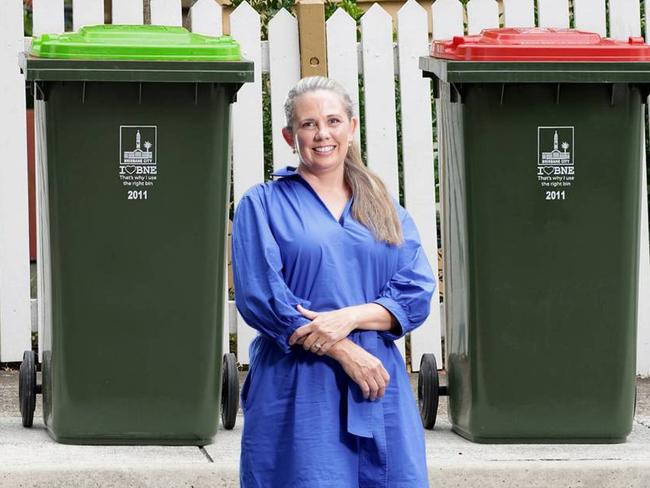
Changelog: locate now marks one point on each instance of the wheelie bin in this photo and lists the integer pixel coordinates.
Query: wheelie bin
(542, 133)
(133, 137)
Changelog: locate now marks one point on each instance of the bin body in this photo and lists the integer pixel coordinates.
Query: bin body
(134, 198)
(541, 194)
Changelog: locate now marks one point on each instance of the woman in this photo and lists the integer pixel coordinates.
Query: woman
(329, 270)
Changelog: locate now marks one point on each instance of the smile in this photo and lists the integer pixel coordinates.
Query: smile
(324, 149)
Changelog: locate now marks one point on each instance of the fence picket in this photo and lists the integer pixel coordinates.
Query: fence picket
(447, 19)
(519, 13)
(643, 349)
(590, 16)
(452, 12)
(43, 258)
(447, 22)
(166, 12)
(379, 95)
(553, 13)
(482, 14)
(247, 129)
(87, 12)
(14, 258)
(284, 65)
(206, 18)
(47, 17)
(342, 58)
(417, 148)
(245, 335)
(128, 12)
(624, 19)
(247, 134)
(643, 312)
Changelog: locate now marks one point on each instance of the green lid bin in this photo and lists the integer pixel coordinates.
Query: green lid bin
(542, 131)
(135, 170)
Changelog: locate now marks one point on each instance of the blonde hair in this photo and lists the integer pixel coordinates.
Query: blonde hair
(372, 205)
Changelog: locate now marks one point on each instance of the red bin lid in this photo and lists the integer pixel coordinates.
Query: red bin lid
(540, 44)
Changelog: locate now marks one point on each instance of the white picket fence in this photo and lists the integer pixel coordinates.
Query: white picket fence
(279, 56)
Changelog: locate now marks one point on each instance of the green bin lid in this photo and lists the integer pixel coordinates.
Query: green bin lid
(135, 42)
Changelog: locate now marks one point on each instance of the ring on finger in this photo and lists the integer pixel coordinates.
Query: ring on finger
(317, 346)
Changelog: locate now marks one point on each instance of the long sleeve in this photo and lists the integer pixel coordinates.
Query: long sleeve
(261, 294)
(408, 293)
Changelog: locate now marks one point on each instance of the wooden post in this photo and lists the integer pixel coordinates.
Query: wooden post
(311, 28)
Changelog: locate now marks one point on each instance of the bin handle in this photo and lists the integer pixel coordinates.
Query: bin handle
(40, 91)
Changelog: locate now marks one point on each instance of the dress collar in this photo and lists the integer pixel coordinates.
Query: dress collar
(285, 172)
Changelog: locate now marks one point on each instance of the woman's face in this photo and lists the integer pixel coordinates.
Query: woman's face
(322, 131)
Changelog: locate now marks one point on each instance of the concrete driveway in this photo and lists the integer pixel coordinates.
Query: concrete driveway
(29, 458)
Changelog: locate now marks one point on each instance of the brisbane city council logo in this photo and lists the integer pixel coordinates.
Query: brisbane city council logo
(138, 153)
(555, 160)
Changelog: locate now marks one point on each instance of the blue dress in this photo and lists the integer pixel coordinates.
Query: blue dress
(306, 423)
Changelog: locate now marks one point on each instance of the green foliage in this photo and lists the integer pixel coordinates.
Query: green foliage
(350, 6)
(400, 152)
(28, 21)
(362, 118)
(643, 22)
(267, 10)
(267, 126)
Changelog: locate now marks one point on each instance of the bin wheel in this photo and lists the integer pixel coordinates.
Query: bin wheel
(229, 391)
(27, 388)
(428, 390)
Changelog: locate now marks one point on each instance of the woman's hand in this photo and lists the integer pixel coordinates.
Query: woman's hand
(324, 330)
(365, 369)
